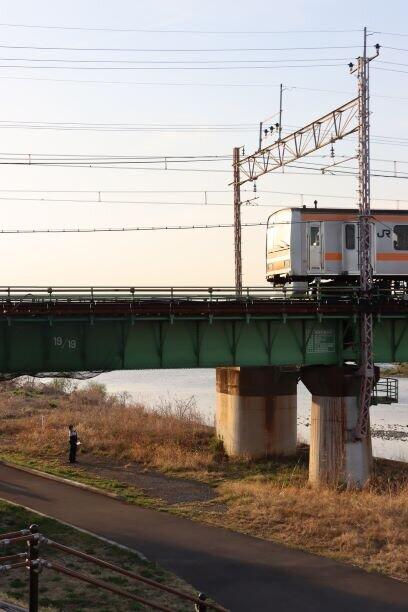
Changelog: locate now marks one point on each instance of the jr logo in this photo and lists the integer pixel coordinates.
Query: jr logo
(386, 233)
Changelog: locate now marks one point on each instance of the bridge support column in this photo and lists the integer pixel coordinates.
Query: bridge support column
(335, 457)
(257, 411)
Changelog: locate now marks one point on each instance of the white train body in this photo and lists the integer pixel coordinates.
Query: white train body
(303, 244)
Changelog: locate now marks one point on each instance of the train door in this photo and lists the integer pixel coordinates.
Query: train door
(350, 248)
(350, 240)
(315, 246)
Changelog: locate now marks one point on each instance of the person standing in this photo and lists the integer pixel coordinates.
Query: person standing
(73, 444)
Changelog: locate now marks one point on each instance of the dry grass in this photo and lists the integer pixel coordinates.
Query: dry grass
(397, 369)
(269, 499)
(368, 528)
(35, 419)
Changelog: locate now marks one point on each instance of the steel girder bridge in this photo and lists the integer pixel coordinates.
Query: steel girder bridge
(72, 329)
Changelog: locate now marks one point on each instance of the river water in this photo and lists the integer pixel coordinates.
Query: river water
(389, 422)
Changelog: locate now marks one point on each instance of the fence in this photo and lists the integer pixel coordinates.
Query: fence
(35, 564)
(385, 391)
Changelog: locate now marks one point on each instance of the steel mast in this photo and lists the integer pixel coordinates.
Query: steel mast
(354, 116)
(365, 239)
(237, 220)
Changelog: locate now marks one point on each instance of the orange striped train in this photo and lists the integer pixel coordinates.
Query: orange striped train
(305, 244)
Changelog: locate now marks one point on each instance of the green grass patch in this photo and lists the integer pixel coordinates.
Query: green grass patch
(54, 467)
(62, 593)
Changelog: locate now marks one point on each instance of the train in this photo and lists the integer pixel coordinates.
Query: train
(305, 245)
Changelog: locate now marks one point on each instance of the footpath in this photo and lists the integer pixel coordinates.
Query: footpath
(243, 573)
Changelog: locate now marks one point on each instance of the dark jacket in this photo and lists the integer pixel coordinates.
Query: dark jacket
(73, 438)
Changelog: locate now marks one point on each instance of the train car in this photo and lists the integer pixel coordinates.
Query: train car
(305, 244)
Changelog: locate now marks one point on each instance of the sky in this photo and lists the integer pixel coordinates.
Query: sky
(189, 79)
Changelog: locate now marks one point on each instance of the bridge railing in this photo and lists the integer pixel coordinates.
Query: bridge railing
(125, 293)
(385, 391)
(35, 564)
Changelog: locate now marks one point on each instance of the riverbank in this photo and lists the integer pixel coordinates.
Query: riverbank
(154, 388)
(397, 369)
(169, 459)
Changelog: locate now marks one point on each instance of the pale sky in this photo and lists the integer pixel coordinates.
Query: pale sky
(196, 97)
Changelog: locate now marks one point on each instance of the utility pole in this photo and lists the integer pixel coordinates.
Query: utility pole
(365, 240)
(237, 221)
(280, 112)
(351, 117)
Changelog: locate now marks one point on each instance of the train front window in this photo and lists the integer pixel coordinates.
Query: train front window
(401, 237)
(314, 236)
(350, 236)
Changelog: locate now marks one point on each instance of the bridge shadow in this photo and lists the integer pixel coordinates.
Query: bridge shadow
(9, 489)
(248, 574)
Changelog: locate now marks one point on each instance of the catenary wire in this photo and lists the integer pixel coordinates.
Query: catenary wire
(167, 68)
(146, 228)
(189, 84)
(390, 70)
(126, 61)
(149, 228)
(202, 192)
(178, 50)
(174, 31)
(245, 202)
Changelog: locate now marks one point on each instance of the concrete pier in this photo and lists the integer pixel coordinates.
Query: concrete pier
(335, 457)
(256, 413)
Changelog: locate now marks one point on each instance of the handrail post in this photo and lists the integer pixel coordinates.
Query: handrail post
(201, 607)
(33, 554)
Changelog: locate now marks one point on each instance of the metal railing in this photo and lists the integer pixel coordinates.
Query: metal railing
(385, 391)
(35, 564)
(128, 293)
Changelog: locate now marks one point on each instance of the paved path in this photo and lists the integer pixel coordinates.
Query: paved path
(243, 573)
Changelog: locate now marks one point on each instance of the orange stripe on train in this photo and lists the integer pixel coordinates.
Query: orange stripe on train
(351, 217)
(333, 256)
(392, 256)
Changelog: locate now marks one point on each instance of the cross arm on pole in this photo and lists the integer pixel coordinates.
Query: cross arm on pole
(337, 124)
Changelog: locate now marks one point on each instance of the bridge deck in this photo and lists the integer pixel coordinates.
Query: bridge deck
(92, 329)
(181, 301)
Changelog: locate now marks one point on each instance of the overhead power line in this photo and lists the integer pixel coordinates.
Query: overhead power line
(391, 70)
(391, 33)
(191, 84)
(118, 127)
(90, 230)
(116, 68)
(394, 48)
(32, 158)
(149, 62)
(179, 50)
(244, 202)
(170, 31)
(147, 228)
(203, 192)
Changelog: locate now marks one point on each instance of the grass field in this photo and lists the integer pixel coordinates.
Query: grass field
(269, 499)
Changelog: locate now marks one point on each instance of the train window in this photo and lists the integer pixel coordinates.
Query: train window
(350, 235)
(314, 235)
(401, 237)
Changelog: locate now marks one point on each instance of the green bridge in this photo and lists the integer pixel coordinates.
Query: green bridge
(92, 330)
